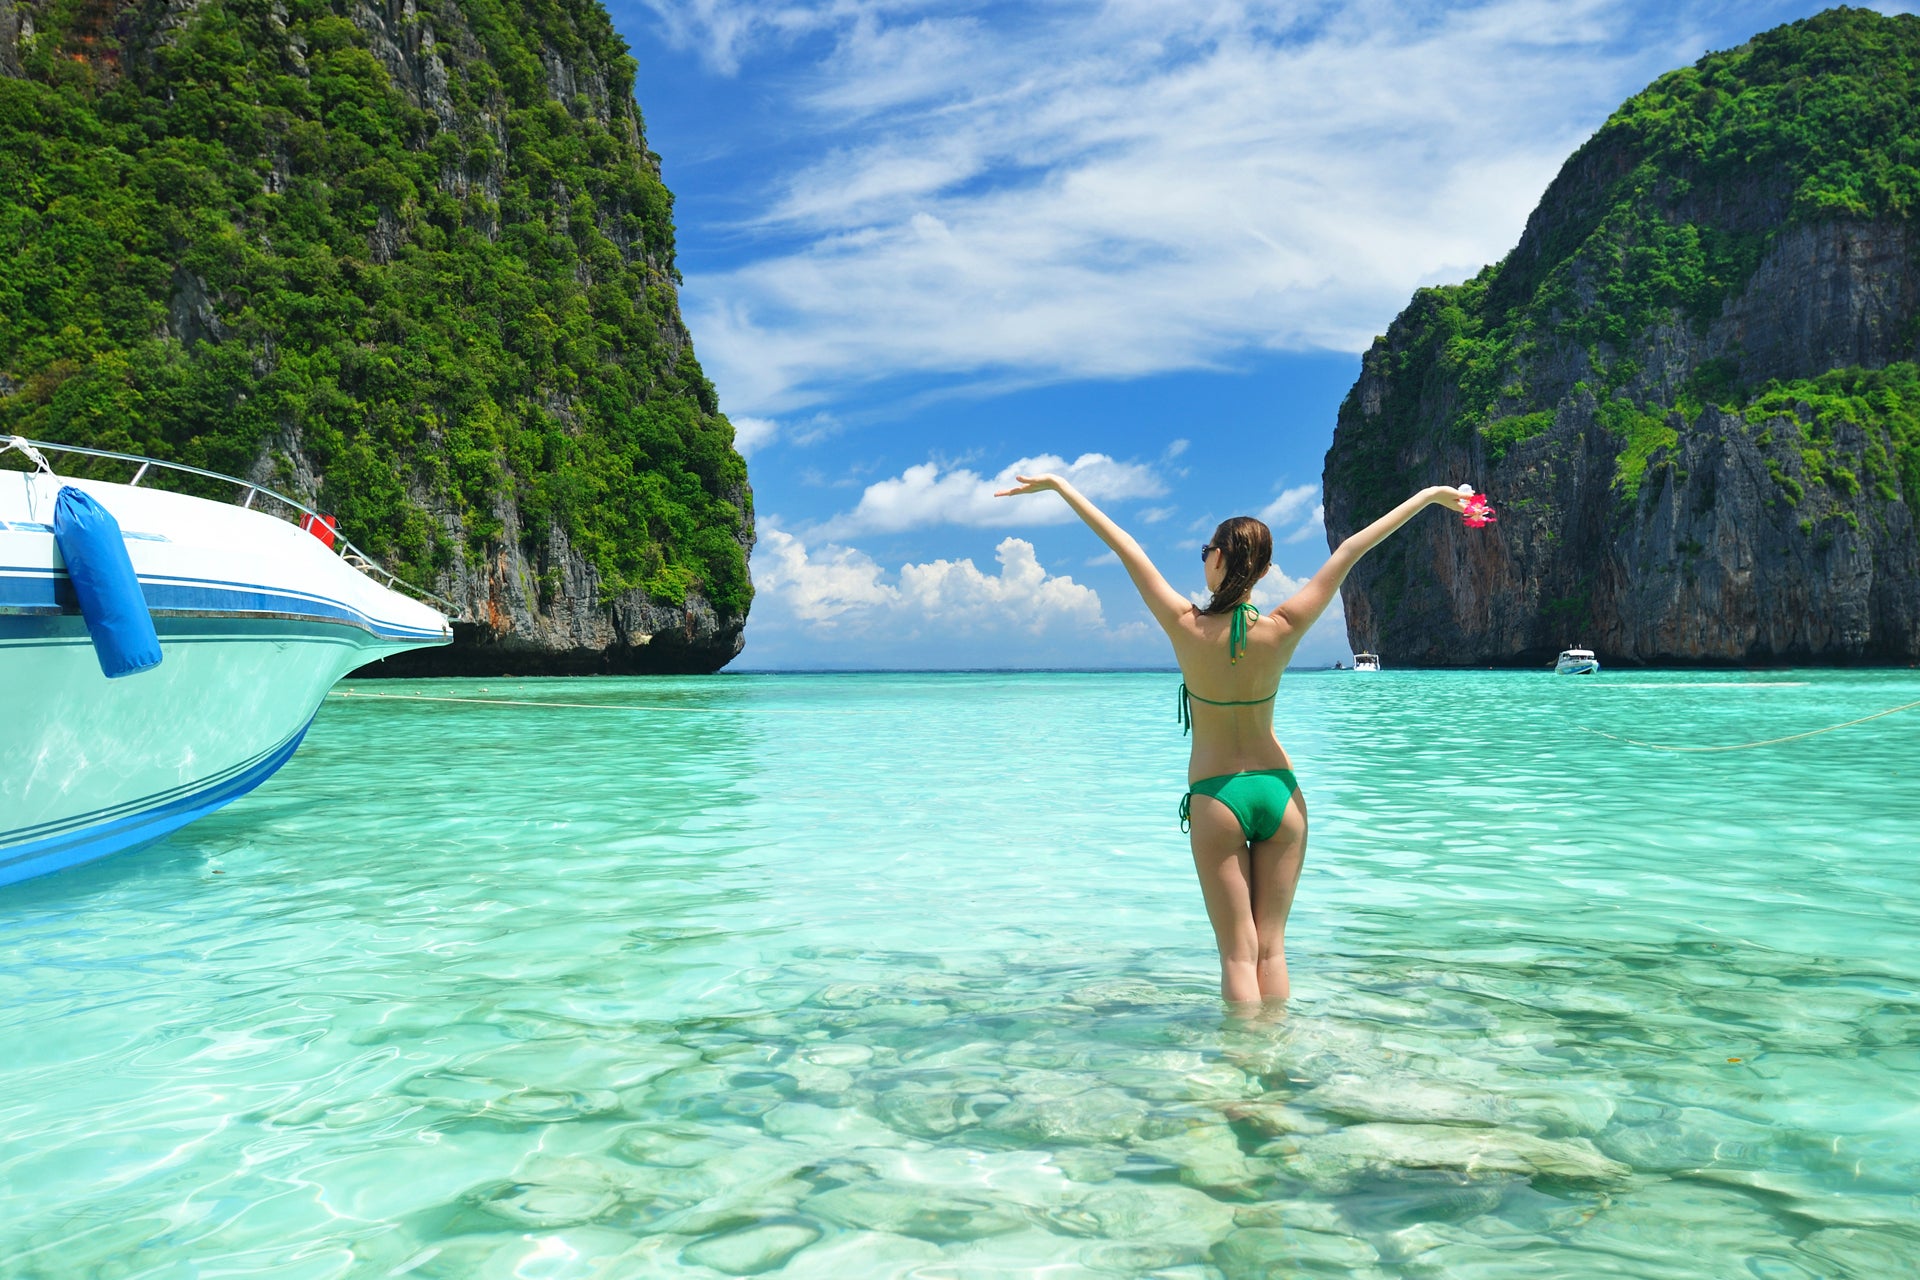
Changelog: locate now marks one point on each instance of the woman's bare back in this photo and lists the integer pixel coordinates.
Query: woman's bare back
(1232, 739)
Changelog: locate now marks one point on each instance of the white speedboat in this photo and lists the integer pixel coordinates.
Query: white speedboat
(1576, 662)
(256, 619)
(1366, 662)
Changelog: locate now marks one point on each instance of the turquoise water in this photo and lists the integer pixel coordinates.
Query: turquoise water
(850, 976)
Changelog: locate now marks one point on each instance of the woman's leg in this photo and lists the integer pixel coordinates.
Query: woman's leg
(1220, 856)
(1276, 872)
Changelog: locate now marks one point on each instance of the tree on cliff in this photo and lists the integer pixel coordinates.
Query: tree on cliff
(414, 261)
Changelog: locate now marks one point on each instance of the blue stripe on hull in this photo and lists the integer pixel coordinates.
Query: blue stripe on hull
(29, 631)
(169, 813)
(27, 587)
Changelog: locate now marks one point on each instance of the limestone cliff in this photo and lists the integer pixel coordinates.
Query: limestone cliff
(410, 260)
(1691, 389)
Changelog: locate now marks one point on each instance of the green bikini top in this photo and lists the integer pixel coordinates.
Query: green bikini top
(1243, 613)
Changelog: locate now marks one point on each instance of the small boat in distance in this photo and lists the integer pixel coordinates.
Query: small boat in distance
(257, 612)
(1366, 662)
(1576, 662)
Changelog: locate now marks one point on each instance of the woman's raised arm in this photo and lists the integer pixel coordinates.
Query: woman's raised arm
(1166, 604)
(1304, 607)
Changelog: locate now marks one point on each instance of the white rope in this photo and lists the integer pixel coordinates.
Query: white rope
(33, 454)
(1747, 746)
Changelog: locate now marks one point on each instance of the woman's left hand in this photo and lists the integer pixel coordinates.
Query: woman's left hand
(1451, 497)
(1031, 484)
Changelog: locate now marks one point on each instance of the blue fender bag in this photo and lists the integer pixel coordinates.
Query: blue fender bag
(102, 575)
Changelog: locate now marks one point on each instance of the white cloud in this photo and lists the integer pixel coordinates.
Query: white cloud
(1290, 505)
(1021, 594)
(1296, 514)
(839, 595)
(817, 587)
(1314, 525)
(750, 434)
(929, 495)
(1154, 515)
(722, 31)
(1276, 587)
(1109, 189)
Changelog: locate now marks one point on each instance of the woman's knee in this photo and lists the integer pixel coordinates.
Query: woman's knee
(1239, 946)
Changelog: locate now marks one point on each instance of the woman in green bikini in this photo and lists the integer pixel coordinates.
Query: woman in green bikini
(1247, 818)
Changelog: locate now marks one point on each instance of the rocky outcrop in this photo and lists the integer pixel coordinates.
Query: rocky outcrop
(1712, 565)
(535, 608)
(1710, 461)
(11, 33)
(1719, 565)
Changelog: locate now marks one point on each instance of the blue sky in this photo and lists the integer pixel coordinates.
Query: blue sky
(1144, 239)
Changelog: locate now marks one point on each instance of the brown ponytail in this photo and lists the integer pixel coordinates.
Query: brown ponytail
(1247, 545)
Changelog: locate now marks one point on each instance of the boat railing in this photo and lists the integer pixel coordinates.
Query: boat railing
(353, 555)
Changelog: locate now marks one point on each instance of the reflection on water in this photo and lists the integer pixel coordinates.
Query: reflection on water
(907, 975)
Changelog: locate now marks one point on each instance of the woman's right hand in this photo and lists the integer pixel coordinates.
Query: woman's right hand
(1031, 484)
(1450, 496)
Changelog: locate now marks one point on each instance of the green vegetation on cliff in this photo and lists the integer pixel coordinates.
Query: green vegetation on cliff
(227, 227)
(1885, 403)
(1655, 223)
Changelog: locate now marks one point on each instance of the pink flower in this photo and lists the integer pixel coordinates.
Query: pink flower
(1478, 514)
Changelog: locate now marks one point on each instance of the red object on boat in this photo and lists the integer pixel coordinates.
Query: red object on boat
(321, 527)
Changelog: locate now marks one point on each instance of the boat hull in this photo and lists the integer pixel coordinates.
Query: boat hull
(1588, 668)
(256, 621)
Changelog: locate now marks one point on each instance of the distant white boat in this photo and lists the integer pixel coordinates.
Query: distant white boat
(257, 617)
(1366, 662)
(1577, 662)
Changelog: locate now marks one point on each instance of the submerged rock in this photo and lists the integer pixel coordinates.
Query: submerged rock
(548, 1205)
(925, 1114)
(1446, 1101)
(914, 1211)
(1335, 1160)
(1089, 1164)
(1172, 1215)
(1296, 1215)
(1138, 1259)
(548, 1192)
(1274, 1116)
(1208, 1156)
(506, 1100)
(1091, 1116)
(1688, 1138)
(752, 1249)
(843, 1055)
(1264, 1253)
(1685, 1231)
(849, 1255)
(847, 1126)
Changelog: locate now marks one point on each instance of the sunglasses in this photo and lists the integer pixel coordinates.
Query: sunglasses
(1206, 551)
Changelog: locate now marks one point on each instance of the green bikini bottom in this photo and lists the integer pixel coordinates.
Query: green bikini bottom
(1257, 798)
